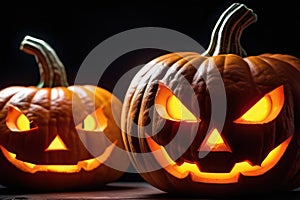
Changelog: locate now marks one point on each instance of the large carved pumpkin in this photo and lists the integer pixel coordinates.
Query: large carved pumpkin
(55, 136)
(253, 148)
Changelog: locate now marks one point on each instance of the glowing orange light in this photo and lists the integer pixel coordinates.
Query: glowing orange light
(259, 111)
(56, 144)
(101, 119)
(96, 121)
(23, 123)
(170, 107)
(245, 167)
(89, 123)
(214, 142)
(265, 110)
(16, 120)
(215, 138)
(87, 165)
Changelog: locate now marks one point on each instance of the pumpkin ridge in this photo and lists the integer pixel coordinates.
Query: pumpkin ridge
(145, 106)
(275, 57)
(135, 109)
(260, 82)
(204, 68)
(198, 75)
(7, 99)
(194, 65)
(151, 66)
(169, 56)
(87, 98)
(168, 64)
(175, 57)
(103, 97)
(176, 70)
(269, 61)
(287, 58)
(240, 59)
(251, 67)
(38, 103)
(26, 91)
(147, 67)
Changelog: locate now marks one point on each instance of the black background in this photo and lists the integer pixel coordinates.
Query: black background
(74, 30)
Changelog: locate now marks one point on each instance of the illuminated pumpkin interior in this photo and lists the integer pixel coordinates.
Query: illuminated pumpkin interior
(17, 121)
(87, 165)
(56, 144)
(214, 142)
(96, 121)
(170, 107)
(265, 110)
(23, 123)
(245, 168)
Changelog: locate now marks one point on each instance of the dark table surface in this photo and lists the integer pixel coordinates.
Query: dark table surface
(123, 190)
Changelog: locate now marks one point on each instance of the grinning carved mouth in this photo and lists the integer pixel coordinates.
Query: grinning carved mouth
(87, 165)
(191, 169)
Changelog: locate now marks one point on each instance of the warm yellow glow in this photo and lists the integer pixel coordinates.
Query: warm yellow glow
(101, 119)
(259, 111)
(271, 160)
(23, 123)
(177, 110)
(87, 165)
(215, 138)
(96, 121)
(56, 144)
(265, 110)
(16, 120)
(214, 142)
(245, 168)
(89, 123)
(170, 107)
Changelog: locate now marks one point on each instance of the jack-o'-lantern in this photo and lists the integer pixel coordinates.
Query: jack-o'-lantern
(53, 136)
(256, 149)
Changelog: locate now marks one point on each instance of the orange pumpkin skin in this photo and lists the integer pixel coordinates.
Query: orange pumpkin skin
(57, 110)
(246, 79)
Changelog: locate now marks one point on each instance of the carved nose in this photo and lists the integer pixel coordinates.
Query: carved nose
(56, 144)
(214, 142)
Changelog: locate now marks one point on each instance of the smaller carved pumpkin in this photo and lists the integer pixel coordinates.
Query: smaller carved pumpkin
(55, 136)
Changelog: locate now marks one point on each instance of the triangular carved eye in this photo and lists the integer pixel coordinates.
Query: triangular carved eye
(17, 121)
(170, 107)
(265, 110)
(96, 121)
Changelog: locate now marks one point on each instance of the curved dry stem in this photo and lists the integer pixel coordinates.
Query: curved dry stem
(225, 38)
(52, 71)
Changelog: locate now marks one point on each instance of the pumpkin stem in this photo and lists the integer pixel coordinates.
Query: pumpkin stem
(52, 71)
(225, 38)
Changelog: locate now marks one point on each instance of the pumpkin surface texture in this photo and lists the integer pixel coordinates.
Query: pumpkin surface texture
(181, 141)
(54, 136)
